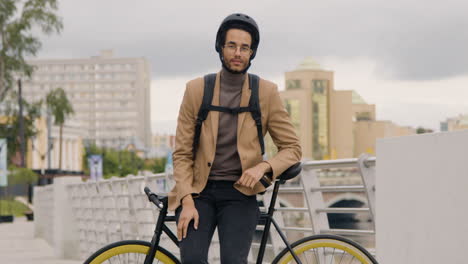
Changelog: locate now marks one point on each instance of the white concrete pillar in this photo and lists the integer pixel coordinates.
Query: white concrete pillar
(66, 236)
(422, 199)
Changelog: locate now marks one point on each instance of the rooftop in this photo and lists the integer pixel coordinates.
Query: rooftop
(357, 99)
(309, 64)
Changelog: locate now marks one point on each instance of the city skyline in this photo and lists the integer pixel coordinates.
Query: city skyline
(406, 57)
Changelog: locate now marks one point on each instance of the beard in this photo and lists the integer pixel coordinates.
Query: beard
(236, 69)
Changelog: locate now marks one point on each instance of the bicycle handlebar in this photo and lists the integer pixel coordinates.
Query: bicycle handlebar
(153, 197)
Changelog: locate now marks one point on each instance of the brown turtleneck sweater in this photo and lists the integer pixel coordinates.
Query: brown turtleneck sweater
(226, 165)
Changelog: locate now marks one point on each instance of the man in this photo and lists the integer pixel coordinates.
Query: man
(217, 182)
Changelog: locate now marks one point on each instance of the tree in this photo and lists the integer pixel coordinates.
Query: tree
(22, 176)
(16, 24)
(155, 165)
(25, 177)
(60, 107)
(122, 162)
(9, 125)
(422, 130)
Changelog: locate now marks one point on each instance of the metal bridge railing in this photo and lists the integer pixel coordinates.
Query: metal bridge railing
(110, 210)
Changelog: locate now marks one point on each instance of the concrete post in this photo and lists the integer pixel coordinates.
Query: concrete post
(66, 237)
(421, 198)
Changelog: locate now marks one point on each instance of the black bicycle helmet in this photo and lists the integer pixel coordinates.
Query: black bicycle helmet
(240, 21)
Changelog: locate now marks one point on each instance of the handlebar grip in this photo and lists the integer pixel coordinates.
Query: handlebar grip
(152, 197)
(147, 191)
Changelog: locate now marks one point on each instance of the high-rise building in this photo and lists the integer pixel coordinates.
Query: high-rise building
(309, 97)
(110, 95)
(330, 123)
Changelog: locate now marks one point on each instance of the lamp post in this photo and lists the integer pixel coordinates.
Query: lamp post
(21, 125)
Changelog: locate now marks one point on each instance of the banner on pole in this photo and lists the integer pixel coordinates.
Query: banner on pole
(169, 171)
(95, 167)
(3, 162)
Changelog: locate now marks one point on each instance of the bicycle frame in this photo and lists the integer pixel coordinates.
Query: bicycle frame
(266, 219)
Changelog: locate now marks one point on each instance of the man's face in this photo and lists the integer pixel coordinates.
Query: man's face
(236, 50)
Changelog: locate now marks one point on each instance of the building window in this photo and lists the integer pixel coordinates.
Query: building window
(318, 86)
(320, 140)
(363, 116)
(293, 108)
(293, 84)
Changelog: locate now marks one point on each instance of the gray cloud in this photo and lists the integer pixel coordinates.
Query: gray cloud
(408, 40)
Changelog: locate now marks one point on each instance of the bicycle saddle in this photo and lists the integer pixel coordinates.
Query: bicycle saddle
(288, 174)
(291, 172)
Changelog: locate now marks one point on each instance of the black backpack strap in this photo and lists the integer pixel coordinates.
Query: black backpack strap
(254, 106)
(232, 111)
(204, 109)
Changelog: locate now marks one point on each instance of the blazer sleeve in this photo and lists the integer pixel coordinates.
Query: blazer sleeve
(182, 156)
(283, 134)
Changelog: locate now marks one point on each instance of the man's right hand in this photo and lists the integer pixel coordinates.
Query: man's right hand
(188, 213)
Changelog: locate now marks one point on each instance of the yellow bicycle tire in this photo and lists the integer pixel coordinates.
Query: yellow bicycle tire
(130, 247)
(343, 245)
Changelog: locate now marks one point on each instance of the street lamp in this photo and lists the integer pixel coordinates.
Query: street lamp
(21, 125)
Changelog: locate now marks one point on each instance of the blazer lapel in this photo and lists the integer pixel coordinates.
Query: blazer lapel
(245, 97)
(214, 115)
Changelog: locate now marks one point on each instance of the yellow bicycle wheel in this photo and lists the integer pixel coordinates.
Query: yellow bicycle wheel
(329, 249)
(130, 252)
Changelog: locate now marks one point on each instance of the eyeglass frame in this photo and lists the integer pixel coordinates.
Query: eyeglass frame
(243, 49)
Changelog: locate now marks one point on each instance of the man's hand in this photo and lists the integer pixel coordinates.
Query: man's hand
(188, 213)
(251, 176)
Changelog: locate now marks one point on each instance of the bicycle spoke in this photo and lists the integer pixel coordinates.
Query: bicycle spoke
(120, 260)
(306, 258)
(332, 256)
(316, 258)
(342, 255)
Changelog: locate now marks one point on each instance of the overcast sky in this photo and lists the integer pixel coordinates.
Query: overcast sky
(408, 57)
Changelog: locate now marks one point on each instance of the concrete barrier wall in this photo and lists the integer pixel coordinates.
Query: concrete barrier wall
(43, 213)
(53, 217)
(422, 199)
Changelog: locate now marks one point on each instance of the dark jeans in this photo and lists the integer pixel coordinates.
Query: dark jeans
(235, 215)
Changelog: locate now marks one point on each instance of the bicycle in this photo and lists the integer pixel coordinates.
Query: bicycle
(316, 249)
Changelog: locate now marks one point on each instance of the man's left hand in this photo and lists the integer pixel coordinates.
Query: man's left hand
(251, 176)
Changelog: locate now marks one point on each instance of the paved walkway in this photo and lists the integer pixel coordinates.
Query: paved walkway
(18, 245)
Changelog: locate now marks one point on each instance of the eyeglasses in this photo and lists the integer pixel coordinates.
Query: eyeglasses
(232, 48)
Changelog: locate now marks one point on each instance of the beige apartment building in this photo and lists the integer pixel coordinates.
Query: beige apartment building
(454, 123)
(72, 148)
(163, 140)
(110, 95)
(331, 124)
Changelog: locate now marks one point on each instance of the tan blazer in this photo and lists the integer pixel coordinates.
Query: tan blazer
(191, 176)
